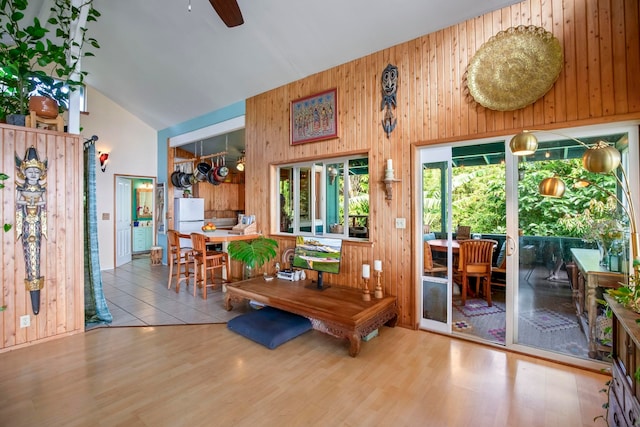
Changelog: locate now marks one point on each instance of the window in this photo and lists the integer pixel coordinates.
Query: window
(325, 197)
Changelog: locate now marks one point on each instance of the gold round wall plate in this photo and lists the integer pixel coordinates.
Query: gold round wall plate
(514, 68)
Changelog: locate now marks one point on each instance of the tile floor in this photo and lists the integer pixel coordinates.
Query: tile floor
(137, 295)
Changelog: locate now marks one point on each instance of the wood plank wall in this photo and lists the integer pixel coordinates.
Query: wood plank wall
(62, 298)
(599, 83)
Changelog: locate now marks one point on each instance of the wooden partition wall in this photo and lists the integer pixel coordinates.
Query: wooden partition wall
(599, 83)
(61, 258)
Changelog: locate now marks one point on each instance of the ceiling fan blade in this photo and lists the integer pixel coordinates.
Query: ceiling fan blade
(229, 12)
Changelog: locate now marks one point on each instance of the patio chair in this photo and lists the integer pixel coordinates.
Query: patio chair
(429, 266)
(475, 260)
(463, 232)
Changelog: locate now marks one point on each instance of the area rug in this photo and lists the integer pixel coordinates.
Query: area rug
(548, 321)
(462, 326)
(499, 334)
(477, 307)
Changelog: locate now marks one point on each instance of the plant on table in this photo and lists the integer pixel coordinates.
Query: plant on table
(253, 253)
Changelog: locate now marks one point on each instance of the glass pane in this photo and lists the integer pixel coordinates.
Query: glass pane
(358, 192)
(435, 246)
(558, 235)
(304, 207)
(285, 186)
(479, 212)
(335, 197)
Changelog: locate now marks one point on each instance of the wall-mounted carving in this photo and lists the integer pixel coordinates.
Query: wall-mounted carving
(389, 88)
(31, 218)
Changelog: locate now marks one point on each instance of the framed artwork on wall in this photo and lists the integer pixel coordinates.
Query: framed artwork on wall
(314, 118)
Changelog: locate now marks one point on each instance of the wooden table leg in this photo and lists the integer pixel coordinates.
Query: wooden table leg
(354, 344)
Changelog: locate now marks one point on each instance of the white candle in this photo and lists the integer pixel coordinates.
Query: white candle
(365, 271)
(377, 265)
(389, 164)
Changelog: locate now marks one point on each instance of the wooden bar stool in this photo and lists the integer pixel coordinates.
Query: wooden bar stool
(181, 258)
(206, 262)
(32, 121)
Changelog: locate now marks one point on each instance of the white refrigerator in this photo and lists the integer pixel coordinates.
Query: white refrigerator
(189, 217)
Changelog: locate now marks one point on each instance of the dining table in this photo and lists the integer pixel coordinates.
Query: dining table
(442, 246)
(224, 237)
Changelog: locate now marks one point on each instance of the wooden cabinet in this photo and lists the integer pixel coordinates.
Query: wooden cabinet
(142, 239)
(624, 392)
(224, 197)
(592, 278)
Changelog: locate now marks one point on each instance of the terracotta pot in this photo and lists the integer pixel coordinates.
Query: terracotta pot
(44, 106)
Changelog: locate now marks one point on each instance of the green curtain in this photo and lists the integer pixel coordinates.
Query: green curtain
(96, 310)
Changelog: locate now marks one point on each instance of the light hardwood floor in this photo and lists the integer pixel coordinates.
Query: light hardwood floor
(205, 375)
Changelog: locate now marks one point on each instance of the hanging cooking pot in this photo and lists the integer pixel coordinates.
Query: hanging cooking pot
(180, 175)
(185, 180)
(211, 175)
(201, 171)
(175, 179)
(222, 172)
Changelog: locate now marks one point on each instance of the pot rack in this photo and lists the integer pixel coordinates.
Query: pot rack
(200, 158)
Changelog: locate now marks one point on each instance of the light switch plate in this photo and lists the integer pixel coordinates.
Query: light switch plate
(401, 223)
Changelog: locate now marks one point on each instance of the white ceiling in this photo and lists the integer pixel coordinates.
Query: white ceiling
(167, 65)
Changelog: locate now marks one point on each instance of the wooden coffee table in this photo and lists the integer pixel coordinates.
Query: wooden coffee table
(341, 310)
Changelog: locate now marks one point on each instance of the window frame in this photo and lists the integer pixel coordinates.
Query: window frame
(318, 182)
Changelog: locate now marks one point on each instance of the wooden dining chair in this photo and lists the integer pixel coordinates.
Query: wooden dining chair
(463, 232)
(207, 262)
(499, 271)
(179, 257)
(429, 266)
(476, 257)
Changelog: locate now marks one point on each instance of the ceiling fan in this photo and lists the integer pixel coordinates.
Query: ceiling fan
(229, 12)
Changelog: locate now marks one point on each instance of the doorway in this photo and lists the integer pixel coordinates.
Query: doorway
(482, 185)
(134, 216)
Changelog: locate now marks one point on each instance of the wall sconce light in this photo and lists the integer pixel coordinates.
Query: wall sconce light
(241, 162)
(389, 179)
(104, 159)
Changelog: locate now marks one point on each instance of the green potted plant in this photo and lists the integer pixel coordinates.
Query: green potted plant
(253, 253)
(37, 57)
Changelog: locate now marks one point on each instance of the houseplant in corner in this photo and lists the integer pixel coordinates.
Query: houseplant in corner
(253, 253)
(40, 57)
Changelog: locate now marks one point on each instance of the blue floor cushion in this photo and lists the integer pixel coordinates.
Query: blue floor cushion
(269, 326)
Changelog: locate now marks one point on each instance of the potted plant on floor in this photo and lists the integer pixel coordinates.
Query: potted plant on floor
(40, 57)
(253, 253)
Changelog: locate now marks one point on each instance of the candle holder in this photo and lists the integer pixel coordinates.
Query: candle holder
(388, 180)
(366, 296)
(378, 291)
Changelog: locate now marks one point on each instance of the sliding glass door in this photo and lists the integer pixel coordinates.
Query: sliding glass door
(436, 249)
(542, 300)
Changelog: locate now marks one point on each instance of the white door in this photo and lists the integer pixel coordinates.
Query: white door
(123, 221)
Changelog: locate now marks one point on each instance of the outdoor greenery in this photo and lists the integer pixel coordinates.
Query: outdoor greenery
(479, 198)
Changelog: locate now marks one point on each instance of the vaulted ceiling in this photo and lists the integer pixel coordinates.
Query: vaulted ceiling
(166, 64)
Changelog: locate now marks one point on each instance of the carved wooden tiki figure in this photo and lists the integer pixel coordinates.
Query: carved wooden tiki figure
(31, 218)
